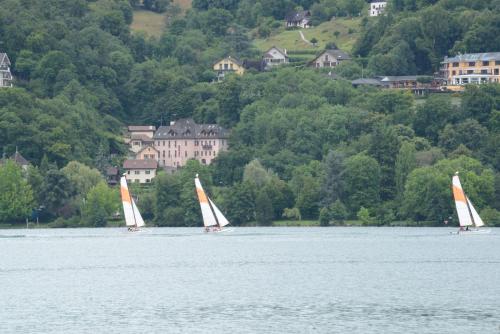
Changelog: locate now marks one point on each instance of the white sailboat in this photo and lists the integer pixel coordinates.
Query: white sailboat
(213, 219)
(133, 218)
(468, 218)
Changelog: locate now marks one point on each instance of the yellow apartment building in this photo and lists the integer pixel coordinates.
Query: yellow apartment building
(471, 68)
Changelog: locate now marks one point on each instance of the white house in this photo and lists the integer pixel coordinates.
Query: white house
(5, 75)
(140, 171)
(274, 56)
(330, 58)
(300, 19)
(377, 7)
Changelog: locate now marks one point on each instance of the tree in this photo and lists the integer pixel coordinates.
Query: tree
(405, 163)
(82, 177)
(338, 212)
(333, 187)
(361, 177)
(16, 196)
(101, 203)
(254, 172)
(385, 147)
(240, 203)
(364, 215)
(58, 193)
(263, 208)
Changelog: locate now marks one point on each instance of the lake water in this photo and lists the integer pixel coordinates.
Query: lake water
(251, 280)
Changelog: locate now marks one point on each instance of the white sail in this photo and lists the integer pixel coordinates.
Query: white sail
(138, 218)
(128, 211)
(464, 216)
(478, 222)
(220, 217)
(206, 212)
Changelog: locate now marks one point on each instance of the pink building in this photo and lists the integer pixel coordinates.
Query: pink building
(184, 139)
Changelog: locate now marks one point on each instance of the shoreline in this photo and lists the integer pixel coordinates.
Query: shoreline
(275, 224)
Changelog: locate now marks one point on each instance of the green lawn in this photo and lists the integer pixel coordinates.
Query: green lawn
(152, 24)
(324, 33)
(296, 223)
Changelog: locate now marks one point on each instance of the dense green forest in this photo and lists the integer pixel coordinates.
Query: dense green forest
(302, 146)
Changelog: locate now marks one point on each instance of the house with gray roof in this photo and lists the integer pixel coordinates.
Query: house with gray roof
(5, 75)
(140, 171)
(184, 139)
(275, 56)
(329, 58)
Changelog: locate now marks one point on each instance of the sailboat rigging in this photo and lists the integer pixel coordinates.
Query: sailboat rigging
(213, 219)
(467, 214)
(133, 218)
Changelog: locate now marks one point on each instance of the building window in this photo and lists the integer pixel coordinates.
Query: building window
(496, 70)
(225, 66)
(185, 143)
(455, 64)
(484, 71)
(164, 154)
(169, 144)
(137, 172)
(486, 63)
(175, 154)
(470, 71)
(453, 72)
(128, 172)
(472, 63)
(169, 154)
(136, 180)
(148, 180)
(148, 172)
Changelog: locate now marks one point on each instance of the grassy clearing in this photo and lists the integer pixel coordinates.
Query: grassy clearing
(184, 4)
(296, 223)
(150, 23)
(290, 39)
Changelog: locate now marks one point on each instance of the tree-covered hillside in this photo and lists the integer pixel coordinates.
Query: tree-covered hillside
(415, 35)
(302, 144)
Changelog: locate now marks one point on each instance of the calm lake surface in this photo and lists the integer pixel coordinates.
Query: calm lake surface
(251, 280)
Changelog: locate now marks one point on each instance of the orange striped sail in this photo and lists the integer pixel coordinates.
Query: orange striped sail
(206, 211)
(127, 202)
(464, 215)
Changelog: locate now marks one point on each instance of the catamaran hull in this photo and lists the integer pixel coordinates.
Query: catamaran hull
(223, 230)
(472, 232)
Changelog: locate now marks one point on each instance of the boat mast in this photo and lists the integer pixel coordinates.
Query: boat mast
(213, 211)
(131, 203)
